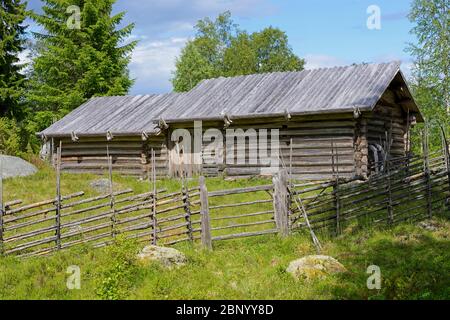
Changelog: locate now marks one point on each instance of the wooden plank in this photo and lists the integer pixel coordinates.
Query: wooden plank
(245, 235)
(280, 202)
(240, 191)
(2, 207)
(206, 223)
(58, 198)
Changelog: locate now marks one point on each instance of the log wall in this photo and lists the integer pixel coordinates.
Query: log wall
(311, 136)
(131, 156)
(321, 145)
(388, 119)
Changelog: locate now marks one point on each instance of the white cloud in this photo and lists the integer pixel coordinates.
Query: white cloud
(152, 65)
(164, 26)
(158, 17)
(315, 61)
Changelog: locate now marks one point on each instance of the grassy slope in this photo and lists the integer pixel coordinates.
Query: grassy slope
(415, 263)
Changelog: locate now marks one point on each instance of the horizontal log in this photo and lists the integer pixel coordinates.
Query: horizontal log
(244, 235)
(240, 191)
(31, 244)
(243, 225)
(243, 215)
(43, 203)
(241, 204)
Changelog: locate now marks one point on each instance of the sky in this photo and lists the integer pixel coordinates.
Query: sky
(326, 33)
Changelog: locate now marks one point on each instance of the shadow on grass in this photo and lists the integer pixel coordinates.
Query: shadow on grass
(413, 266)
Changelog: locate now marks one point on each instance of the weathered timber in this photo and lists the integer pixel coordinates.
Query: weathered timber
(206, 224)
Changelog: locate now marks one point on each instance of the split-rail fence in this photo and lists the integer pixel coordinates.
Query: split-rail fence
(406, 188)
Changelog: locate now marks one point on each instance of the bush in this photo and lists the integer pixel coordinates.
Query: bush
(116, 279)
(10, 138)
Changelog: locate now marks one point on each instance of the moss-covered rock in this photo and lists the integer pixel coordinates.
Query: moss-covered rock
(168, 257)
(315, 267)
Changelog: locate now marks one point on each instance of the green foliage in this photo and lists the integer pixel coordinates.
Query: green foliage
(12, 42)
(116, 278)
(431, 81)
(73, 65)
(414, 265)
(220, 48)
(9, 136)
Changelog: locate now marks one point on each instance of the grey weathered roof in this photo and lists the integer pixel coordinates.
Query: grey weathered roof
(330, 90)
(337, 89)
(118, 115)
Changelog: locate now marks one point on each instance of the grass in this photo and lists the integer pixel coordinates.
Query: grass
(415, 263)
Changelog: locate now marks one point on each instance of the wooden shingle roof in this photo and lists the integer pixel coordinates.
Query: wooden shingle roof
(328, 90)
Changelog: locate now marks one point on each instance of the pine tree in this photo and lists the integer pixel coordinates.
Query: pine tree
(12, 42)
(74, 64)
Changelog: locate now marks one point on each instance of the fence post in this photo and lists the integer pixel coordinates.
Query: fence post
(58, 196)
(111, 191)
(2, 207)
(155, 199)
(281, 202)
(187, 209)
(389, 186)
(206, 223)
(337, 198)
(447, 154)
(426, 168)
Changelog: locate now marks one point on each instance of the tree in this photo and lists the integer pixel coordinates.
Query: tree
(191, 69)
(77, 62)
(12, 42)
(220, 48)
(431, 82)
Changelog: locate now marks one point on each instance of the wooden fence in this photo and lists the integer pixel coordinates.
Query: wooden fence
(407, 188)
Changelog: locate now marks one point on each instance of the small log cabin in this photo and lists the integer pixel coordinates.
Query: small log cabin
(343, 119)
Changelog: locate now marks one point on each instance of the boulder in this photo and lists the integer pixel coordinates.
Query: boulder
(168, 257)
(15, 167)
(430, 225)
(100, 185)
(314, 267)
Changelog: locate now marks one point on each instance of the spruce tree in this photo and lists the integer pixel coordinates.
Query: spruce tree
(74, 64)
(12, 42)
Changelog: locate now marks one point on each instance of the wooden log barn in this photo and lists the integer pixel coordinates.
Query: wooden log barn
(343, 118)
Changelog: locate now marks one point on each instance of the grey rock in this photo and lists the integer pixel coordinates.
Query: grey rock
(315, 267)
(100, 185)
(12, 167)
(168, 257)
(430, 225)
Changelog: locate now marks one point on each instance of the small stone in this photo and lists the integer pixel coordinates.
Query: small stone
(168, 257)
(430, 225)
(100, 185)
(315, 267)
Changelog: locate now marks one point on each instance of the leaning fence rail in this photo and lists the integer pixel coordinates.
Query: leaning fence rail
(407, 188)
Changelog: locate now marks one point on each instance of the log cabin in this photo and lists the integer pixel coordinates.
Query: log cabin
(321, 122)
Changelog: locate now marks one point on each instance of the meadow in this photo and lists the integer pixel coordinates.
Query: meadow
(414, 261)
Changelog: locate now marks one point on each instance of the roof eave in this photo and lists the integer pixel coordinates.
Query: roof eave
(270, 115)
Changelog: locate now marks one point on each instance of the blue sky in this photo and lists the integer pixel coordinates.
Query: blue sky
(324, 32)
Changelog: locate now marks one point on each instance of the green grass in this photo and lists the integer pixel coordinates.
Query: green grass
(415, 263)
